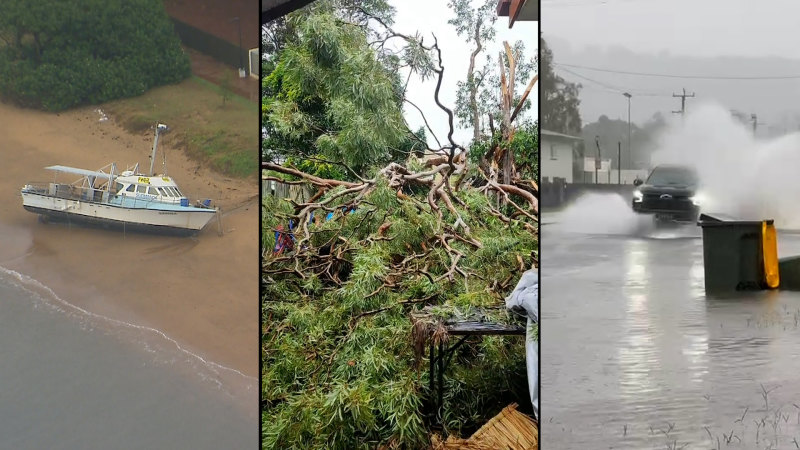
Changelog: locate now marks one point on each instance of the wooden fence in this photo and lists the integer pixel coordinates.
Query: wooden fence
(298, 193)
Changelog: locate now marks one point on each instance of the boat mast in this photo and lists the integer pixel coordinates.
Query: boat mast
(111, 177)
(159, 128)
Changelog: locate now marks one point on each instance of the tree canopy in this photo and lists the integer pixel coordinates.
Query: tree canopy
(559, 98)
(524, 145)
(329, 94)
(614, 133)
(56, 55)
(476, 25)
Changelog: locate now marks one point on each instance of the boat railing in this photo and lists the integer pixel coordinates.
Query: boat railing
(37, 188)
(68, 191)
(88, 194)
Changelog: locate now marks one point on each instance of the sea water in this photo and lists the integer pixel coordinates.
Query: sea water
(73, 380)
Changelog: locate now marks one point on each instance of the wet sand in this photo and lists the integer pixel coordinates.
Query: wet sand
(200, 291)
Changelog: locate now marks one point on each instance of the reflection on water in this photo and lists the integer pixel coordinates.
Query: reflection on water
(635, 356)
(637, 343)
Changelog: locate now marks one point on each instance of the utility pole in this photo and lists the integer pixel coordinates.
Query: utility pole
(619, 162)
(597, 160)
(754, 118)
(683, 101)
(630, 152)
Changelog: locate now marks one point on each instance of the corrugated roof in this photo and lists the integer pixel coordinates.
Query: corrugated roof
(272, 9)
(560, 135)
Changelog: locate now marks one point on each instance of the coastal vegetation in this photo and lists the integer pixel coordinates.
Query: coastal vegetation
(58, 55)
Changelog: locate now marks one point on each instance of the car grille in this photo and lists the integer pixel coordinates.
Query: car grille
(676, 203)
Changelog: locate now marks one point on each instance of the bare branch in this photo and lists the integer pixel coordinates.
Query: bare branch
(524, 96)
(424, 120)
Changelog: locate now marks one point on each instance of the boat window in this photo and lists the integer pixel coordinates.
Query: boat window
(131, 188)
(152, 191)
(141, 189)
(117, 187)
(179, 192)
(174, 191)
(163, 192)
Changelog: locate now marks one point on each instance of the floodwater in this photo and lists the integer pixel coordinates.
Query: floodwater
(635, 356)
(72, 380)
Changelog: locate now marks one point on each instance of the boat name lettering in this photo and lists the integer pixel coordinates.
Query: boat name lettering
(165, 179)
(169, 213)
(144, 180)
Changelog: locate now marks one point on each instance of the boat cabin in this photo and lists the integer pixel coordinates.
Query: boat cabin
(156, 188)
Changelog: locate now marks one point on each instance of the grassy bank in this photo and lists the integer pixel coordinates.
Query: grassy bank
(216, 128)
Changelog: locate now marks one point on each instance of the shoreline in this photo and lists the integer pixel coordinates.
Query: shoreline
(199, 292)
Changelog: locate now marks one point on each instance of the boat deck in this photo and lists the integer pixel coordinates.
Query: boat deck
(88, 194)
(68, 192)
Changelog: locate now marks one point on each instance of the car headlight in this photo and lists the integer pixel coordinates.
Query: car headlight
(698, 199)
(637, 196)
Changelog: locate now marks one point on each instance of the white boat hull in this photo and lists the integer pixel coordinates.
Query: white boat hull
(186, 221)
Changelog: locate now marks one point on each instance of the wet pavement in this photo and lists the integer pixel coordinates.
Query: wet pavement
(635, 356)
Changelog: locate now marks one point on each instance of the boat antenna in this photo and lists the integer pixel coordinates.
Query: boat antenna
(159, 128)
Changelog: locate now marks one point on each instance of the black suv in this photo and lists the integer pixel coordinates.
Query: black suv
(669, 194)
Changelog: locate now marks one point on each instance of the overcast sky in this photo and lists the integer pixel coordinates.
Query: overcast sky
(680, 37)
(689, 27)
(428, 16)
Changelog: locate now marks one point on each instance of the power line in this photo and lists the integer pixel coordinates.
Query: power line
(605, 85)
(664, 75)
(615, 89)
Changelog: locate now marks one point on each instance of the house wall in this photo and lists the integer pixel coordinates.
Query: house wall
(555, 158)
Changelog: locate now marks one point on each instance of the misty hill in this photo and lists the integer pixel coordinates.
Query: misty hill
(612, 135)
(776, 102)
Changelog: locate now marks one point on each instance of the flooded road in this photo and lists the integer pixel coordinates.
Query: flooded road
(635, 356)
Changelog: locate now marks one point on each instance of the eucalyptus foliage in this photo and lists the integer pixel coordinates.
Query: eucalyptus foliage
(476, 25)
(340, 369)
(331, 95)
(524, 144)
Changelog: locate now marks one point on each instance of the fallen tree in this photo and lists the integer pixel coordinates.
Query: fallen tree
(341, 369)
(367, 266)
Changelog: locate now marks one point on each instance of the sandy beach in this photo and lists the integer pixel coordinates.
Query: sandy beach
(200, 291)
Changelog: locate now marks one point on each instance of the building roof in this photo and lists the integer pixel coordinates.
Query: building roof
(560, 135)
(273, 9)
(518, 10)
(226, 19)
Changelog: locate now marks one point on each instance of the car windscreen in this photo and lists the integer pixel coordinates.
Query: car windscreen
(672, 176)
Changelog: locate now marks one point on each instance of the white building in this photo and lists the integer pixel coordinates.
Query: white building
(557, 154)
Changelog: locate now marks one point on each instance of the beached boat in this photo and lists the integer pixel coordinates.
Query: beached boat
(128, 200)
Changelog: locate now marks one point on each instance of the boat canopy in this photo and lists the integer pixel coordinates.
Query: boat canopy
(82, 172)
